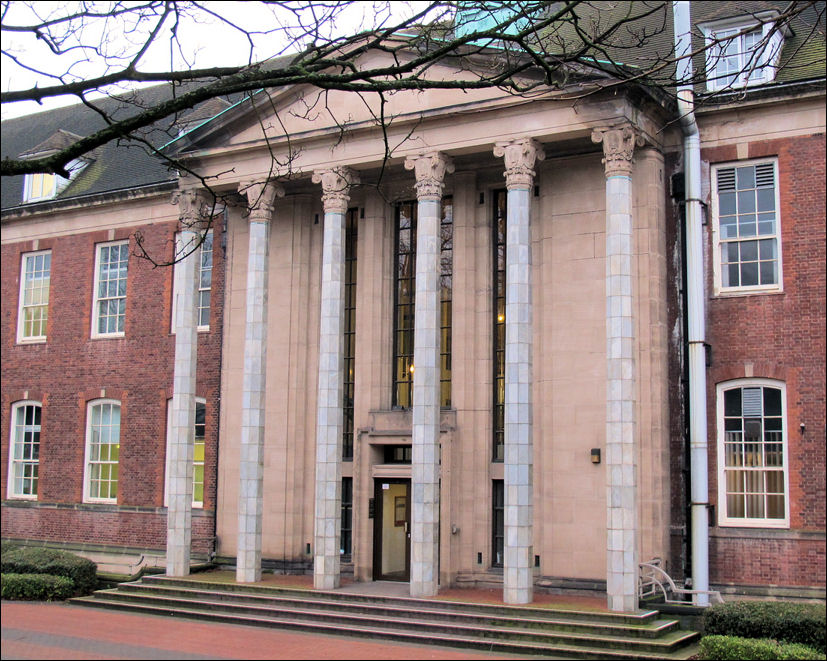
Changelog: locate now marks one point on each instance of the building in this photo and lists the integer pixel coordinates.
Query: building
(464, 364)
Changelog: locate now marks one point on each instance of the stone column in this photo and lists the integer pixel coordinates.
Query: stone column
(248, 568)
(430, 171)
(621, 434)
(191, 205)
(336, 185)
(518, 560)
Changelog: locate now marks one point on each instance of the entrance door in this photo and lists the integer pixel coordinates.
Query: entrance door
(392, 530)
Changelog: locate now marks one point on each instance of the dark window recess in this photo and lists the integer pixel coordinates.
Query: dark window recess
(398, 454)
(500, 213)
(347, 516)
(349, 334)
(497, 522)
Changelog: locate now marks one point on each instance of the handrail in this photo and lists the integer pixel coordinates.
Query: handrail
(654, 579)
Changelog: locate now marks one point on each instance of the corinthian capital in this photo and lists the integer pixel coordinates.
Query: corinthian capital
(520, 156)
(193, 207)
(618, 148)
(261, 196)
(336, 184)
(430, 172)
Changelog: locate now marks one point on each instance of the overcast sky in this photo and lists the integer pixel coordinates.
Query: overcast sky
(206, 43)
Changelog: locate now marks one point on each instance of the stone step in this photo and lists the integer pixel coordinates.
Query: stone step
(465, 614)
(633, 619)
(554, 633)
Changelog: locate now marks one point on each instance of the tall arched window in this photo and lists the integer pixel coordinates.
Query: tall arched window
(753, 487)
(103, 445)
(24, 450)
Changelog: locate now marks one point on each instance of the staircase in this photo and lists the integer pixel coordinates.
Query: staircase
(562, 634)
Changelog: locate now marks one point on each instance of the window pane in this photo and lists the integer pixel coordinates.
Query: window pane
(749, 274)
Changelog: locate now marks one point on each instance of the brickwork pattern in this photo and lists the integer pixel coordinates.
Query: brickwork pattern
(70, 369)
(780, 336)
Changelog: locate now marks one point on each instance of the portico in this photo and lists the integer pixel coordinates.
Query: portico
(499, 274)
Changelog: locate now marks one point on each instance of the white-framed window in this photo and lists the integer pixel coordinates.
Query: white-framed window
(24, 450)
(747, 232)
(33, 311)
(103, 444)
(109, 311)
(197, 454)
(39, 186)
(205, 253)
(753, 482)
(741, 52)
(45, 185)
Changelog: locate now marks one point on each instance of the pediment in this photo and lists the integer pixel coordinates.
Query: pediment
(305, 112)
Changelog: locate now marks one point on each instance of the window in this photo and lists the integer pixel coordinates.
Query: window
(103, 443)
(498, 242)
(752, 454)
(34, 296)
(346, 542)
(39, 186)
(497, 522)
(349, 384)
(198, 452)
(110, 289)
(44, 185)
(24, 454)
(205, 283)
(205, 253)
(741, 53)
(747, 253)
(403, 321)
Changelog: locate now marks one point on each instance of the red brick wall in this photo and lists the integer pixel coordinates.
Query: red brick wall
(70, 369)
(783, 336)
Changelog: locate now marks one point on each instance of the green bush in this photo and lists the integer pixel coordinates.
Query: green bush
(789, 622)
(41, 587)
(39, 560)
(733, 648)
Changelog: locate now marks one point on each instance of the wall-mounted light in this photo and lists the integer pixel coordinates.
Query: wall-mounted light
(595, 455)
(411, 369)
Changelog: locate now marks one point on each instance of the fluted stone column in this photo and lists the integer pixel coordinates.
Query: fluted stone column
(518, 561)
(260, 197)
(336, 184)
(430, 171)
(191, 205)
(621, 433)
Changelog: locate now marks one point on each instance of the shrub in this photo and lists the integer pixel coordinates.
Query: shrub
(783, 621)
(733, 648)
(39, 560)
(36, 587)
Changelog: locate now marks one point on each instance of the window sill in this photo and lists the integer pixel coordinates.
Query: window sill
(739, 293)
(108, 336)
(25, 341)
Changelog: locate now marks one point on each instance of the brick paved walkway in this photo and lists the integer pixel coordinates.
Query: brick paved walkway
(33, 630)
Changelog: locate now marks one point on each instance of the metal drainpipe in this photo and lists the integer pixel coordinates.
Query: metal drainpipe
(699, 488)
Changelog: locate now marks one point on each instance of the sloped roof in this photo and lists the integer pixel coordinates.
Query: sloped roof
(117, 165)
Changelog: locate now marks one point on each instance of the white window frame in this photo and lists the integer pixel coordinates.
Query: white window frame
(14, 440)
(45, 194)
(750, 72)
(202, 328)
(21, 308)
(96, 299)
(87, 460)
(195, 503)
(723, 516)
(741, 290)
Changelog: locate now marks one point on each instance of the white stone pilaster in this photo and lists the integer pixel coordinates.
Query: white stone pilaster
(248, 567)
(430, 171)
(621, 433)
(336, 184)
(518, 561)
(182, 434)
